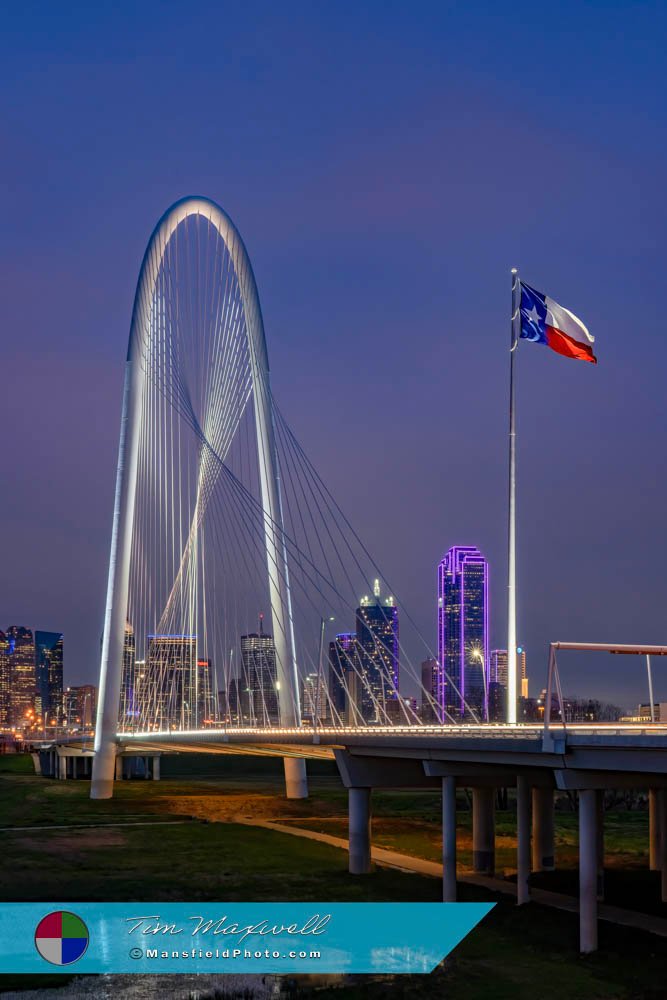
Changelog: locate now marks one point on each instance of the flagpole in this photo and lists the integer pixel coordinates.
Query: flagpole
(511, 532)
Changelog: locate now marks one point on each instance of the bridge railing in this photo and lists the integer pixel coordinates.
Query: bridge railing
(554, 681)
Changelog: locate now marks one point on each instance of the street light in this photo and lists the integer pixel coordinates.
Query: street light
(477, 654)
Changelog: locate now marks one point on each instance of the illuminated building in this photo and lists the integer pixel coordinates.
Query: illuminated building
(314, 696)
(22, 674)
(463, 632)
(344, 680)
(168, 691)
(498, 668)
(258, 701)
(429, 679)
(49, 677)
(206, 702)
(80, 706)
(378, 649)
(5, 682)
(497, 702)
(129, 706)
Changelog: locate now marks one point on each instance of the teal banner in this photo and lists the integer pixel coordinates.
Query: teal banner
(232, 937)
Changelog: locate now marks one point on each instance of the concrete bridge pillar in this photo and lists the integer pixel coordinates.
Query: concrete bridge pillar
(543, 829)
(661, 818)
(599, 806)
(119, 768)
(62, 767)
(449, 839)
(359, 812)
(296, 779)
(483, 831)
(156, 767)
(588, 871)
(654, 829)
(523, 796)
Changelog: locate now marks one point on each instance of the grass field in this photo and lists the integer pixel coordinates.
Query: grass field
(517, 952)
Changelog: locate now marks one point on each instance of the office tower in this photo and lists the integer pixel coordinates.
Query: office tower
(497, 702)
(498, 668)
(521, 666)
(5, 682)
(49, 677)
(463, 632)
(169, 692)
(206, 701)
(80, 706)
(429, 694)
(314, 701)
(377, 644)
(344, 679)
(129, 708)
(235, 696)
(258, 682)
(22, 675)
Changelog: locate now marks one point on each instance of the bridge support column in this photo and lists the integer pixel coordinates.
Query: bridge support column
(588, 869)
(599, 808)
(119, 770)
(449, 839)
(483, 831)
(296, 778)
(359, 813)
(654, 829)
(543, 830)
(523, 796)
(156, 768)
(62, 767)
(662, 826)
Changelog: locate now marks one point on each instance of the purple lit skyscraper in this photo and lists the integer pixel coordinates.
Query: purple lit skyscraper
(463, 633)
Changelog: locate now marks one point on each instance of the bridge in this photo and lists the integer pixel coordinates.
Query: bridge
(244, 614)
(584, 759)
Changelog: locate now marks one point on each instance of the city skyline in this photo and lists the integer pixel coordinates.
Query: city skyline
(313, 222)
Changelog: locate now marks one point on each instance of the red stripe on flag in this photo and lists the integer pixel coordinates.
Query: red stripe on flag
(568, 346)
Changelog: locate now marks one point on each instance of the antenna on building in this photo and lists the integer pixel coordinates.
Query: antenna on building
(261, 623)
(376, 588)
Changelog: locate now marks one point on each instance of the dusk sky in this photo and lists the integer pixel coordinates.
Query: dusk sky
(386, 164)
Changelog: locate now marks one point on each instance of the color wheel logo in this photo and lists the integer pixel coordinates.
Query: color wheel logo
(61, 938)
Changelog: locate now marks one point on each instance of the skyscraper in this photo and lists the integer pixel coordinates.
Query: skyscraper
(207, 712)
(5, 682)
(169, 692)
(49, 677)
(80, 705)
(463, 632)
(22, 674)
(344, 678)
(498, 669)
(378, 650)
(258, 683)
(129, 707)
(430, 673)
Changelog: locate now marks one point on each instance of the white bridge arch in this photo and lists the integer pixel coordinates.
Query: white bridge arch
(126, 485)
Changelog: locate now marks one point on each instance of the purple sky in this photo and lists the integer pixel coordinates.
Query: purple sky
(386, 167)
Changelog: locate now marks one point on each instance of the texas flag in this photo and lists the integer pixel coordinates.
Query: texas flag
(545, 322)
